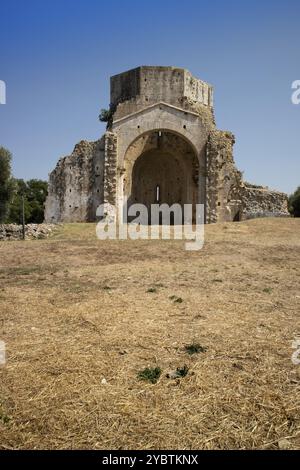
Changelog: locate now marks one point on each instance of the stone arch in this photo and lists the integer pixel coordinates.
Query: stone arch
(165, 130)
(161, 167)
(161, 116)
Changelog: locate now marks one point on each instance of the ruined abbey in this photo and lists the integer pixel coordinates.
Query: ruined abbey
(161, 146)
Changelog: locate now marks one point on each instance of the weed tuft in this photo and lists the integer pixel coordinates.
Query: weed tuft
(195, 348)
(150, 374)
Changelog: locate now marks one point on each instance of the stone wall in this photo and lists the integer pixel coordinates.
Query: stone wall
(76, 185)
(224, 182)
(32, 231)
(228, 197)
(110, 169)
(262, 202)
(144, 86)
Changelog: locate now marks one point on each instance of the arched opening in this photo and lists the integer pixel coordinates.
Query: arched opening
(237, 217)
(161, 168)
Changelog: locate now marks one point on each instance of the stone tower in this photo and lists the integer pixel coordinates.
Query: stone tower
(161, 146)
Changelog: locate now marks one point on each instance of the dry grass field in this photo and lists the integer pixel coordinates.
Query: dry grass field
(75, 311)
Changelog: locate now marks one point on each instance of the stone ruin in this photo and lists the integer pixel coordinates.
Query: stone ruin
(161, 146)
(31, 231)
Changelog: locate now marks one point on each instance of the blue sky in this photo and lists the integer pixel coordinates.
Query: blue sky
(56, 57)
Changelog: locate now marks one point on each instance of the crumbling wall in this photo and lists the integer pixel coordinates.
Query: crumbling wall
(32, 231)
(262, 202)
(228, 197)
(76, 185)
(224, 182)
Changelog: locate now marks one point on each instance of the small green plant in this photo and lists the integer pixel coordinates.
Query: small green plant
(268, 290)
(104, 115)
(177, 300)
(152, 290)
(107, 115)
(182, 371)
(150, 374)
(179, 373)
(194, 348)
(4, 418)
(217, 280)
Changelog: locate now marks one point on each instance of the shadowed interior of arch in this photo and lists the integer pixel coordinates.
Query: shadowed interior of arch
(163, 171)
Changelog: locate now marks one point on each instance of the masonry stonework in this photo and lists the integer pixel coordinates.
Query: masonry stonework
(259, 201)
(161, 146)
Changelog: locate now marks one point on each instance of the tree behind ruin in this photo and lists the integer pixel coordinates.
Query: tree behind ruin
(6, 183)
